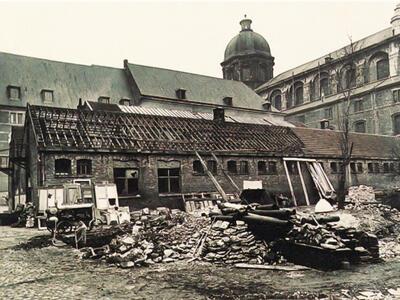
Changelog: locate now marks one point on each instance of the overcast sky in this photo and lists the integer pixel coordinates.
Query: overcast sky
(187, 36)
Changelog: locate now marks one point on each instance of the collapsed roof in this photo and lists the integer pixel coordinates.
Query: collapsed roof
(83, 130)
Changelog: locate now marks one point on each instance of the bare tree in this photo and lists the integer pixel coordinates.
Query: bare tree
(346, 77)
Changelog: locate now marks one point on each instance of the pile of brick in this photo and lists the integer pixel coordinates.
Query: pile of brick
(232, 243)
(360, 194)
(153, 236)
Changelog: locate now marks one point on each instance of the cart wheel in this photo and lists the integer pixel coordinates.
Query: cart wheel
(64, 227)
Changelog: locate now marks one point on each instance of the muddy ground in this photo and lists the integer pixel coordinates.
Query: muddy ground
(47, 272)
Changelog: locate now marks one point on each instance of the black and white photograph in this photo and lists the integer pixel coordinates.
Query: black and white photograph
(199, 149)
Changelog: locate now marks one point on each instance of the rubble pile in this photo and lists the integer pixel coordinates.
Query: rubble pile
(389, 248)
(360, 194)
(232, 243)
(153, 236)
(370, 215)
(333, 237)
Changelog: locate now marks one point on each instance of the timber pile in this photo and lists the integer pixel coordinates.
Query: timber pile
(233, 243)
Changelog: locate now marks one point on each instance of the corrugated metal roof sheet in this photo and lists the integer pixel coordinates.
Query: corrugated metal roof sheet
(265, 120)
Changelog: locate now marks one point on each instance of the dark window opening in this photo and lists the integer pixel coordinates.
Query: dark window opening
(127, 181)
(169, 180)
(386, 168)
(324, 124)
(292, 167)
(62, 167)
(396, 124)
(228, 101)
(47, 96)
(382, 68)
(180, 93)
(392, 168)
(84, 166)
(262, 168)
(125, 102)
(328, 113)
(299, 95)
(360, 127)
(277, 102)
(272, 168)
(373, 168)
(14, 92)
(358, 105)
(244, 167)
(103, 99)
(396, 96)
(334, 167)
(198, 167)
(348, 77)
(232, 167)
(212, 166)
(324, 87)
(356, 168)
(370, 168)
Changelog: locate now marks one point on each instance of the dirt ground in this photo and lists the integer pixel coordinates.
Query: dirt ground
(48, 272)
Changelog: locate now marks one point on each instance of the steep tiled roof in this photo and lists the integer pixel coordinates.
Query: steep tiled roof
(73, 129)
(68, 81)
(319, 142)
(358, 45)
(163, 83)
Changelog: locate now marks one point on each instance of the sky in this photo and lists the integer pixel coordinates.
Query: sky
(187, 35)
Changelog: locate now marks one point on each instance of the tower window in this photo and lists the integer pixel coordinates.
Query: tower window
(180, 93)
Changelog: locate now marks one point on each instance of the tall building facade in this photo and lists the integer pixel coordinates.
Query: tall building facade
(248, 58)
(368, 70)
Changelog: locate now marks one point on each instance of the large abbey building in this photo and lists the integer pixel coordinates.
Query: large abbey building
(314, 93)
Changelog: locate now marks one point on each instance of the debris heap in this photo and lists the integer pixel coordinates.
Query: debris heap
(234, 243)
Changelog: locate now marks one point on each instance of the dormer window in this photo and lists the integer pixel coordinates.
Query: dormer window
(47, 96)
(126, 102)
(228, 101)
(104, 99)
(14, 92)
(180, 93)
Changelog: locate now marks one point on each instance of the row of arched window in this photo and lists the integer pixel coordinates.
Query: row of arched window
(323, 83)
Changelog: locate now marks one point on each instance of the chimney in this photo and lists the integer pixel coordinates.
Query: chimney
(219, 115)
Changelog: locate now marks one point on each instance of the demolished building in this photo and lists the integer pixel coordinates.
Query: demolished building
(150, 153)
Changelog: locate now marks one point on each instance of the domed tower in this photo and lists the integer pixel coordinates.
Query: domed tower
(248, 57)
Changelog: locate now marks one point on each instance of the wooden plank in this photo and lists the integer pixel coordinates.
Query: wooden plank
(302, 183)
(226, 173)
(215, 182)
(290, 182)
(272, 268)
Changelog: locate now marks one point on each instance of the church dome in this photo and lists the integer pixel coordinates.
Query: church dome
(247, 42)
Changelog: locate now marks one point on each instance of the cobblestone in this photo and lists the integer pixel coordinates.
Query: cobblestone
(57, 273)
